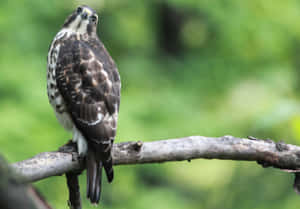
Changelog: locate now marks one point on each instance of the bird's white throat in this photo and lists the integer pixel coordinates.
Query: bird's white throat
(77, 27)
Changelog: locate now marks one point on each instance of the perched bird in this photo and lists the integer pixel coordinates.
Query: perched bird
(83, 85)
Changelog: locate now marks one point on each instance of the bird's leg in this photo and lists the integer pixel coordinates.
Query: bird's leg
(70, 147)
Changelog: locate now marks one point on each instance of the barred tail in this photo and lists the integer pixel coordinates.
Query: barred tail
(94, 176)
(94, 172)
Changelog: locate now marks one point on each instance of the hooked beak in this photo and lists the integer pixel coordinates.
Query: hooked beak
(84, 16)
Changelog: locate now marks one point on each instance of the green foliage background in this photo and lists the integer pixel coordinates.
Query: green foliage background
(238, 74)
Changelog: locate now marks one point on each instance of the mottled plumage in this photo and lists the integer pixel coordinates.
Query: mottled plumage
(83, 86)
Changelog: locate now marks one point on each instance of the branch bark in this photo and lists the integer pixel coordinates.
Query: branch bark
(16, 194)
(265, 152)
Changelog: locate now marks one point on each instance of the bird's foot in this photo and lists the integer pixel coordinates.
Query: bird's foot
(69, 147)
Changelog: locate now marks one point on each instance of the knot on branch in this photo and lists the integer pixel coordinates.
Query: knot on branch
(281, 146)
(137, 146)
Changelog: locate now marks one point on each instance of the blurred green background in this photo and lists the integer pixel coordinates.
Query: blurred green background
(188, 67)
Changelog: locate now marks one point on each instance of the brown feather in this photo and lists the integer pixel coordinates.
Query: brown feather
(89, 83)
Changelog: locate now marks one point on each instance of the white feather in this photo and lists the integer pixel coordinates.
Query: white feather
(81, 142)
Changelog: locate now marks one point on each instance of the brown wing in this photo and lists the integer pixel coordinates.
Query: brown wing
(90, 89)
(90, 85)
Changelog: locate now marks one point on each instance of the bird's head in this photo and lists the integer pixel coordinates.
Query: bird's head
(83, 20)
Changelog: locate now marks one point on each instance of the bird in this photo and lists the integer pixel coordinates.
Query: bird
(83, 86)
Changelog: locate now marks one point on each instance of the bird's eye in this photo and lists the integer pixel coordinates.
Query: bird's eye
(93, 18)
(79, 10)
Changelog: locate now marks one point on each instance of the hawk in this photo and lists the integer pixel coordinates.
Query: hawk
(83, 86)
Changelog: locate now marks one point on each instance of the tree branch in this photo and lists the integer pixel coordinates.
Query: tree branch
(265, 152)
(16, 194)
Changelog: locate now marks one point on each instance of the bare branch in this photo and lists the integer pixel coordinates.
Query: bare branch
(265, 152)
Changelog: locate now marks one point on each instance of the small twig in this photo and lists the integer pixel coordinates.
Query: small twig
(74, 201)
(297, 183)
